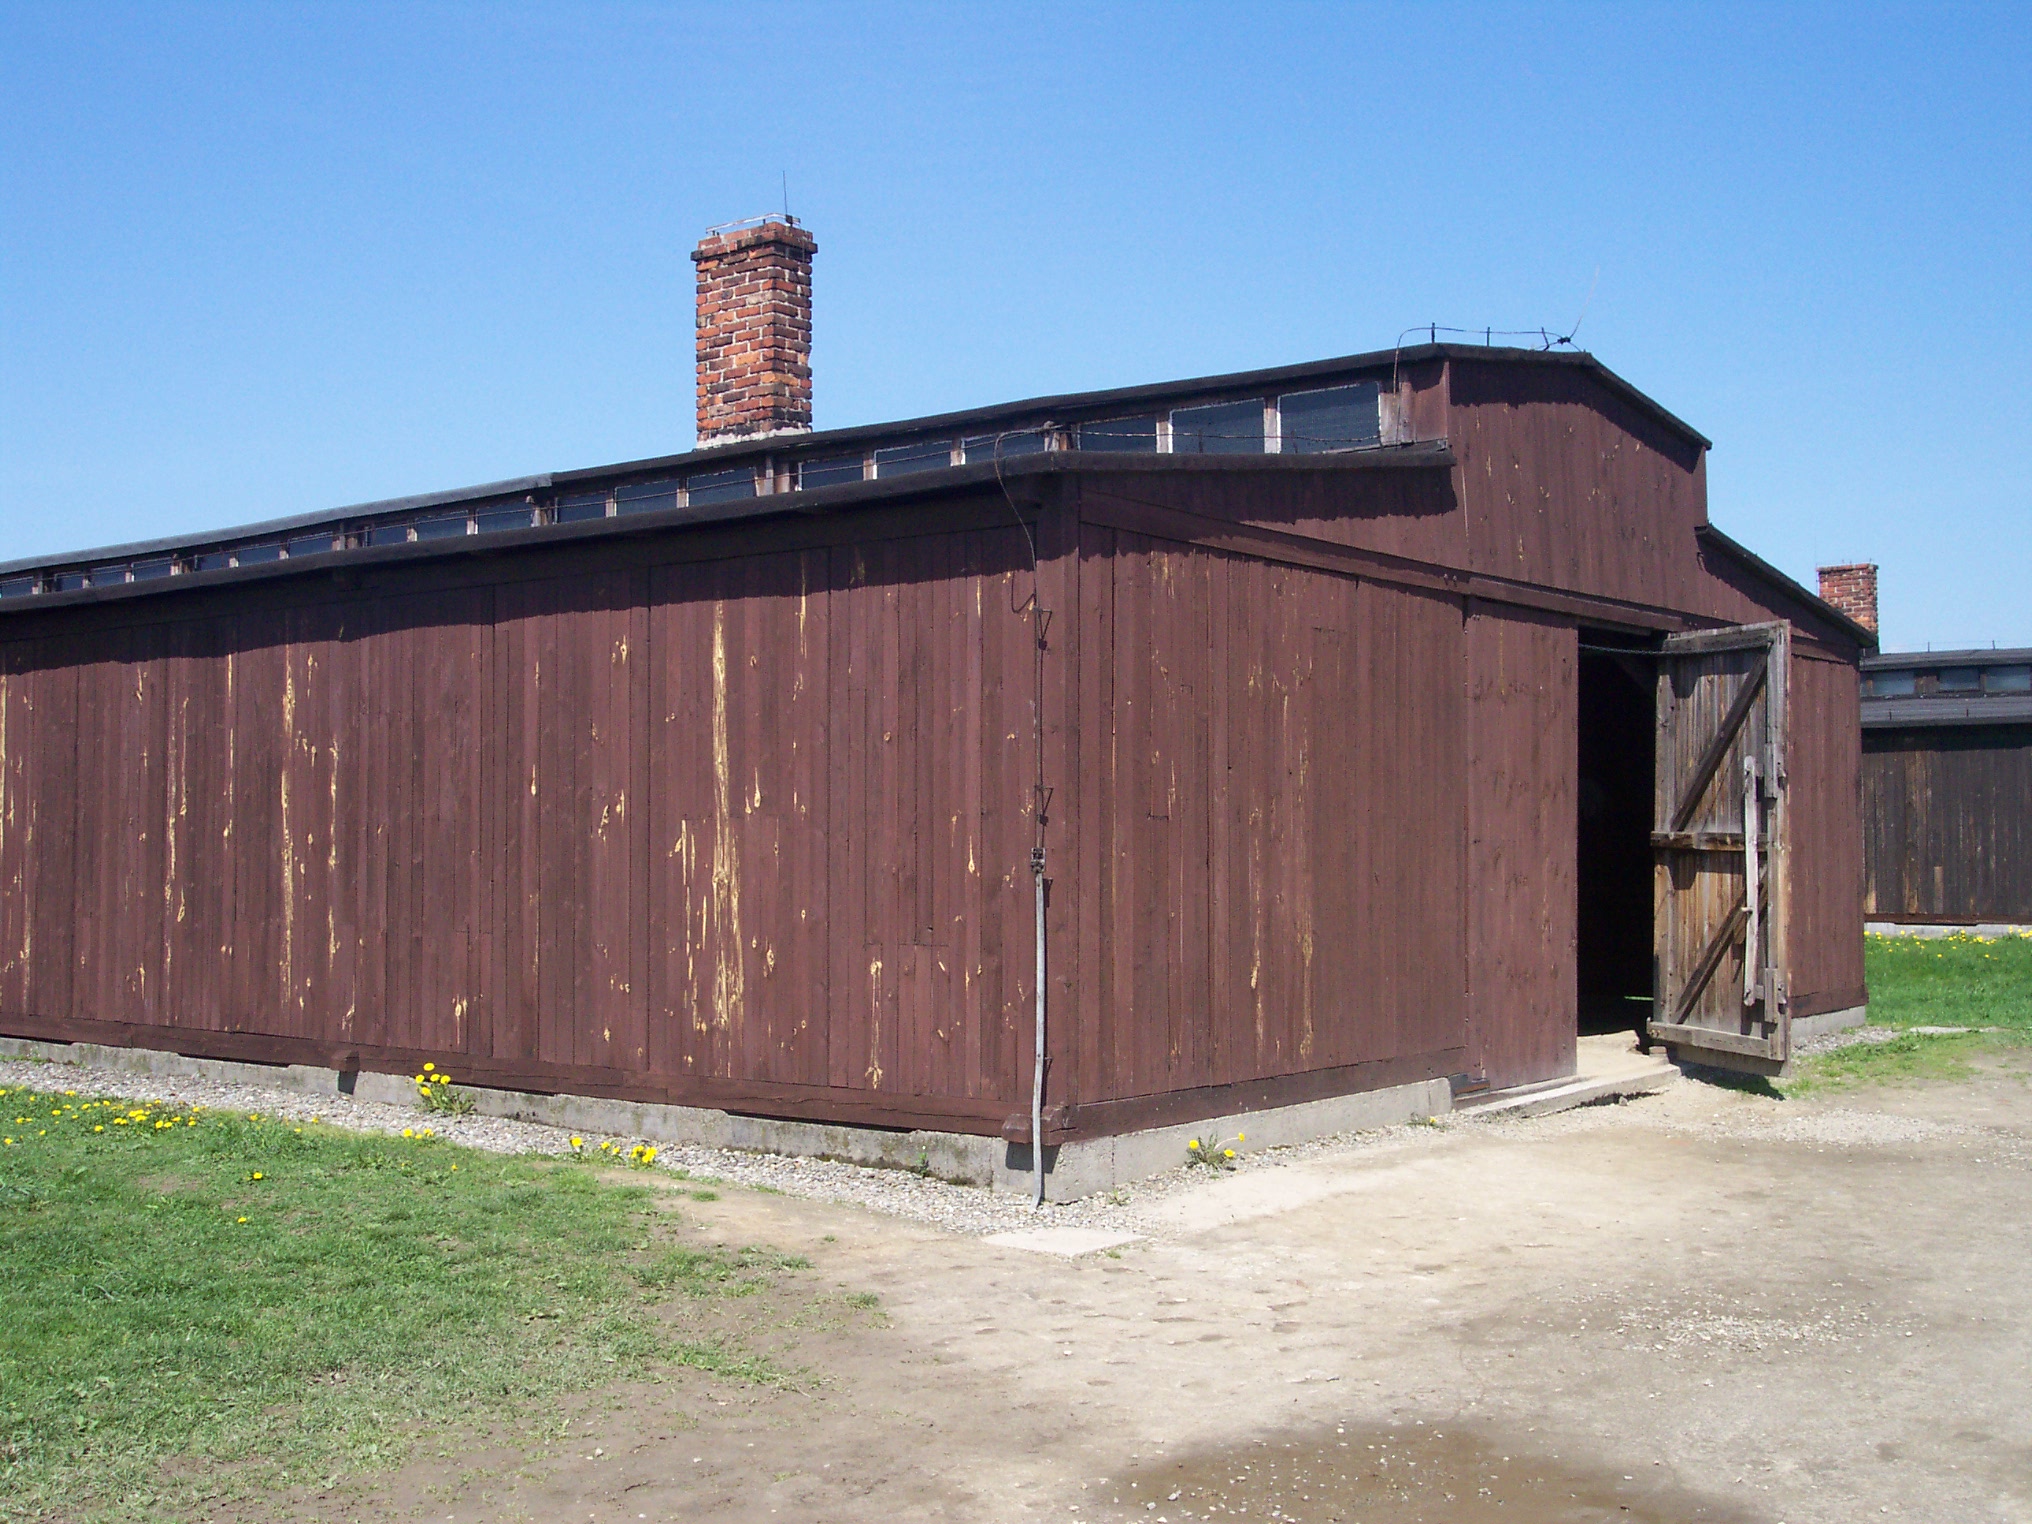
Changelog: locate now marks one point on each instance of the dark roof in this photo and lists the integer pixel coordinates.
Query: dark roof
(1916, 711)
(1862, 634)
(1926, 661)
(1435, 455)
(1925, 711)
(1064, 409)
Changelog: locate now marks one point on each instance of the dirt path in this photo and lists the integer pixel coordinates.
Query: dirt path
(1701, 1305)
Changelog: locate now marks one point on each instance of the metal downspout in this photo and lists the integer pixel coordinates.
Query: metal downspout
(1037, 1065)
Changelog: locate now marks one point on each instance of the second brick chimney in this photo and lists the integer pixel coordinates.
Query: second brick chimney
(754, 330)
(1853, 590)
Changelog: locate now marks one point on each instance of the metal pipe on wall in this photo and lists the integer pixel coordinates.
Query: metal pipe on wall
(1037, 1065)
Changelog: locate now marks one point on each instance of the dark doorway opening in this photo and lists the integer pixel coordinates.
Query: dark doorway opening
(1618, 714)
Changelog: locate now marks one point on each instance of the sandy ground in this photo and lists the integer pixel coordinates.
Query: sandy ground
(1698, 1305)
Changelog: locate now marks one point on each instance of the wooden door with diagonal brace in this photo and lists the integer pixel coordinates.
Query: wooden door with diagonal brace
(1718, 845)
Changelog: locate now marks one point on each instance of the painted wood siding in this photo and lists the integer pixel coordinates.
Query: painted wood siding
(1949, 820)
(744, 831)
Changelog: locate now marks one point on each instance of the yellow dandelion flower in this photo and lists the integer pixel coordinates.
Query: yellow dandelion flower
(243, 1219)
(100, 1128)
(428, 1067)
(1241, 1137)
(1194, 1145)
(258, 1175)
(443, 1079)
(408, 1132)
(8, 1141)
(1227, 1153)
(578, 1142)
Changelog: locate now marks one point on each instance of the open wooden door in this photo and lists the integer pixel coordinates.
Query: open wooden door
(1718, 843)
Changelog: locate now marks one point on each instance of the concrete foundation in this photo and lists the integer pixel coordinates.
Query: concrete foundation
(1805, 1028)
(1071, 1170)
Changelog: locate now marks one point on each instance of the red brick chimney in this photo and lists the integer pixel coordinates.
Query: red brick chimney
(1853, 590)
(754, 330)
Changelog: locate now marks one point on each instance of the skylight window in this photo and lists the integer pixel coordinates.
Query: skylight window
(507, 516)
(829, 471)
(720, 486)
(148, 571)
(1959, 680)
(1225, 428)
(1339, 418)
(645, 497)
(254, 555)
(1893, 684)
(2007, 680)
(17, 587)
(442, 527)
(1002, 446)
(577, 507)
(1133, 436)
(212, 560)
(377, 534)
(309, 545)
(919, 455)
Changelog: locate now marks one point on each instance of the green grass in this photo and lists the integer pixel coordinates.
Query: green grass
(1957, 981)
(197, 1306)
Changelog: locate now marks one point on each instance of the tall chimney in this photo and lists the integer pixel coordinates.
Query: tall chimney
(1853, 590)
(754, 330)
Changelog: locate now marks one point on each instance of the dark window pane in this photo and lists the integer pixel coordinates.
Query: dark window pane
(1226, 428)
(17, 587)
(721, 486)
(1893, 684)
(309, 545)
(71, 582)
(513, 516)
(253, 555)
(212, 560)
(148, 571)
(828, 472)
(646, 497)
(579, 507)
(1134, 435)
(1960, 680)
(922, 455)
(2008, 680)
(1340, 418)
(443, 527)
(992, 446)
(107, 576)
(380, 534)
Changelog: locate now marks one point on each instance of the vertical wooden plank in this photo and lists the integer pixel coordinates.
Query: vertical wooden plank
(1523, 707)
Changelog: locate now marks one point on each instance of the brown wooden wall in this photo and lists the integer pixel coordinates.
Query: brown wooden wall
(739, 816)
(1824, 940)
(746, 831)
(1271, 773)
(1948, 821)
(1522, 672)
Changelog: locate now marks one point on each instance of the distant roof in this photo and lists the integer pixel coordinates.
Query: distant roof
(2001, 693)
(1926, 661)
(1064, 410)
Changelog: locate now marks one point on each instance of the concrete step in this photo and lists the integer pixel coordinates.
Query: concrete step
(1631, 1074)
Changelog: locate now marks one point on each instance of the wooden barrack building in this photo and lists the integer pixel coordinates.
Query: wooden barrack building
(1392, 716)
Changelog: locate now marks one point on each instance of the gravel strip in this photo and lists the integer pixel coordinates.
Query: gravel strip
(964, 1209)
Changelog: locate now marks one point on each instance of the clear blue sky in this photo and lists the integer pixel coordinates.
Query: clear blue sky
(263, 259)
